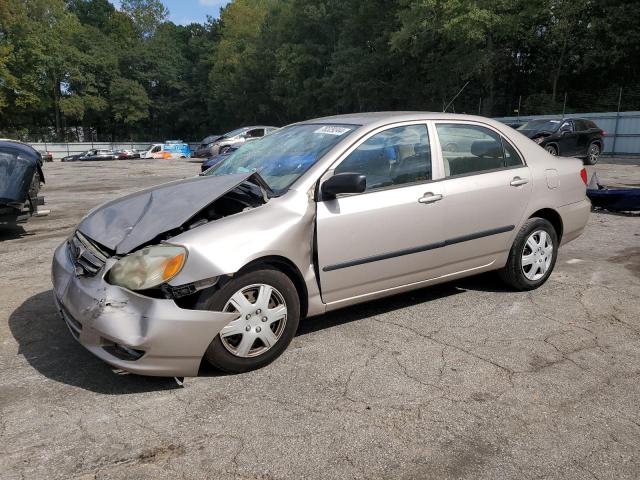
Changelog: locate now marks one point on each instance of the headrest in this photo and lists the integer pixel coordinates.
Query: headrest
(486, 148)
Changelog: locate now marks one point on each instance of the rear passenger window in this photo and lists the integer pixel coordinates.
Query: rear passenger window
(258, 132)
(468, 149)
(581, 125)
(511, 156)
(393, 157)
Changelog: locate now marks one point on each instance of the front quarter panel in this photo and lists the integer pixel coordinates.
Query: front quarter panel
(283, 227)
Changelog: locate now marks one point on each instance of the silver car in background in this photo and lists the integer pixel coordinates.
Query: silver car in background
(317, 216)
(215, 144)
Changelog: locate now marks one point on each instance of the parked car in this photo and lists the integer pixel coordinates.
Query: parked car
(127, 154)
(204, 149)
(569, 137)
(46, 156)
(91, 156)
(210, 162)
(168, 149)
(317, 216)
(21, 177)
(233, 139)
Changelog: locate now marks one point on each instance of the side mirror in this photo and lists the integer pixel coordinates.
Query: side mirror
(343, 183)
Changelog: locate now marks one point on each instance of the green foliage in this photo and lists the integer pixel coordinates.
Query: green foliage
(129, 101)
(82, 67)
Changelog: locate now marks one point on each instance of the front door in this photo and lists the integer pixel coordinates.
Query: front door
(486, 191)
(389, 235)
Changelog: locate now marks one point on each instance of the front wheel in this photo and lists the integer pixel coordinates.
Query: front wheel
(532, 256)
(592, 154)
(552, 150)
(268, 312)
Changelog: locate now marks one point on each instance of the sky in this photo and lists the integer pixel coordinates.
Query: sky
(187, 11)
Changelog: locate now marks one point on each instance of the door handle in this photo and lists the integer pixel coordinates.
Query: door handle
(430, 197)
(518, 182)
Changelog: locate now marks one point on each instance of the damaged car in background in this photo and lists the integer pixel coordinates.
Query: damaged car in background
(214, 145)
(317, 216)
(21, 177)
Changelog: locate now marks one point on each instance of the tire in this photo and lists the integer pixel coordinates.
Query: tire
(522, 277)
(230, 354)
(593, 153)
(552, 149)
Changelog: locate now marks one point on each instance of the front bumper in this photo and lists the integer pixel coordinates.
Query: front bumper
(100, 316)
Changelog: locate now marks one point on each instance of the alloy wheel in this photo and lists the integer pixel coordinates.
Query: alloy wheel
(594, 153)
(537, 255)
(262, 316)
(552, 150)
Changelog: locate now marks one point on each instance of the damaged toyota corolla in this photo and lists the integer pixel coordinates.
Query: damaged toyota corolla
(319, 215)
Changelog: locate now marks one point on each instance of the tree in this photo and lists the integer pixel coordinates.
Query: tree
(147, 15)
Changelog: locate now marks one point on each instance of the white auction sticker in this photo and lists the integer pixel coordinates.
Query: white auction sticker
(332, 130)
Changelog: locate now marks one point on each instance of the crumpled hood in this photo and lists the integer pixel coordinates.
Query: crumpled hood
(128, 222)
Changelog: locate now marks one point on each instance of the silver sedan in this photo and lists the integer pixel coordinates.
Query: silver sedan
(316, 216)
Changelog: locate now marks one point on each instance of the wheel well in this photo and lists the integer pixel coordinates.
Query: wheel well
(553, 218)
(287, 267)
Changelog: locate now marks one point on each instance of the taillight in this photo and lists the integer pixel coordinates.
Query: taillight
(604, 134)
(583, 175)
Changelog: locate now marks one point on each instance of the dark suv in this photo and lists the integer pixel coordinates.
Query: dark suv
(569, 137)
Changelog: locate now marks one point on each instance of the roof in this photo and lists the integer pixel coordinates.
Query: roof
(24, 147)
(370, 118)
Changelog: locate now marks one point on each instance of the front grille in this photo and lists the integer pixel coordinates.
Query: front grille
(87, 257)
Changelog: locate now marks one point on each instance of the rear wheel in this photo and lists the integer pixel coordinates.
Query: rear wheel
(532, 256)
(593, 154)
(552, 150)
(268, 312)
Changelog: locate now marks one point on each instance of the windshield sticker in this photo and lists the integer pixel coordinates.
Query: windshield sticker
(331, 130)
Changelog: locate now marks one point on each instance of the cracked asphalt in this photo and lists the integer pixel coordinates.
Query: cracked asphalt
(465, 380)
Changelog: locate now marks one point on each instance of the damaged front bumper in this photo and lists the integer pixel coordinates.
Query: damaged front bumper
(142, 335)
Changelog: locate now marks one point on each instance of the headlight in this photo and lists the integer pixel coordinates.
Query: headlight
(538, 140)
(149, 267)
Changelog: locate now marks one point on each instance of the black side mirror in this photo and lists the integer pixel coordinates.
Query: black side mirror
(343, 183)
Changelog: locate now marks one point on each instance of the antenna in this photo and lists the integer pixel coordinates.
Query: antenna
(457, 94)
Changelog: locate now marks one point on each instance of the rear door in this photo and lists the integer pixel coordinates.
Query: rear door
(583, 137)
(389, 235)
(486, 190)
(568, 140)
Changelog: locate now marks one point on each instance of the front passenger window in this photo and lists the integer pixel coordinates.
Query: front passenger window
(393, 157)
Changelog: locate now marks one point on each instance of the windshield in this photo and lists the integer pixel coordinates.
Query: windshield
(539, 125)
(282, 157)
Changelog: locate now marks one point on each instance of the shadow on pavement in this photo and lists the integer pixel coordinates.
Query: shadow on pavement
(47, 345)
(45, 342)
(488, 282)
(13, 232)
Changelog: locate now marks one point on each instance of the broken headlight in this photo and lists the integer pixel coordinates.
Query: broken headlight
(149, 267)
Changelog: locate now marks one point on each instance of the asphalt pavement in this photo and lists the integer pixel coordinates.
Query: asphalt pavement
(465, 380)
